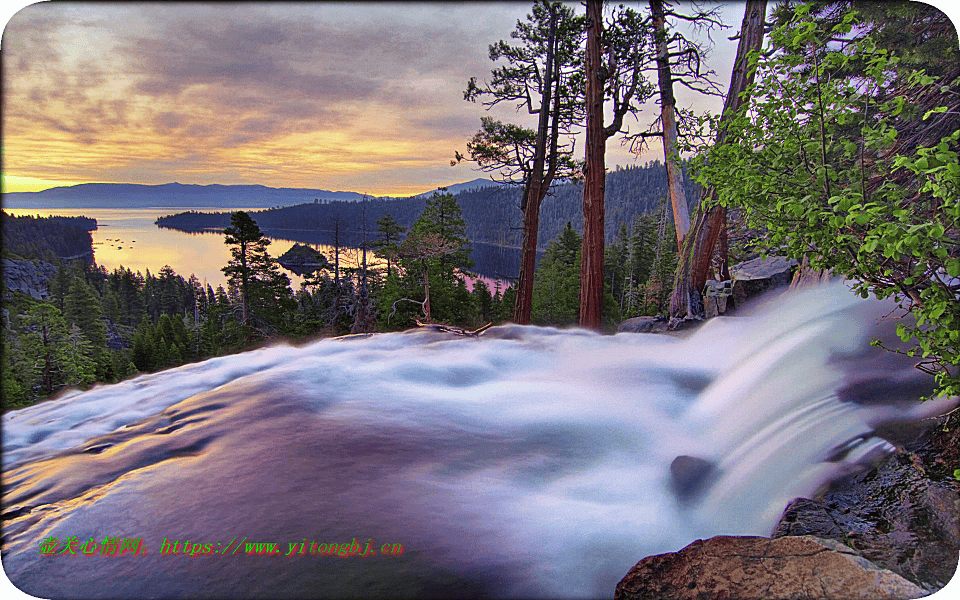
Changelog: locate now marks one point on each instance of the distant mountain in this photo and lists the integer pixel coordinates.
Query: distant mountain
(456, 188)
(130, 195)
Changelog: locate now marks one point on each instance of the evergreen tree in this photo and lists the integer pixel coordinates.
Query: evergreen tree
(262, 288)
(246, 238)
(430, 255)
(53, 355)
(144, 345)
(556, 288)
(388, 240)
(60, 286)
(443, 217)
(13, 394)
(83, 308)
(78, 366)
(483, 301)
(544, 76)
(506, 304)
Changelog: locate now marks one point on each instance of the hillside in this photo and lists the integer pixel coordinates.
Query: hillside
(492, 213)
(47, 238)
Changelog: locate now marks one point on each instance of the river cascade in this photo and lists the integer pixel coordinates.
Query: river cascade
(529, 462)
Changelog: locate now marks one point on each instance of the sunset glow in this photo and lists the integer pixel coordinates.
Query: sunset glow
(316, 95)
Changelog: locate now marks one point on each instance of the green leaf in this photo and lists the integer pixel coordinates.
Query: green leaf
(903, 333)
(937, 110)
(953, 268)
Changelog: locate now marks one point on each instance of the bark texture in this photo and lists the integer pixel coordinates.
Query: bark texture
(591, 256)
(710, 226)
(668, 108)
(539, 180)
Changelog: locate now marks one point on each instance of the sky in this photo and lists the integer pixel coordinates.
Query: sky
(360, 97)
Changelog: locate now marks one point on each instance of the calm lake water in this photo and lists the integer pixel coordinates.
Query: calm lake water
(129, 238)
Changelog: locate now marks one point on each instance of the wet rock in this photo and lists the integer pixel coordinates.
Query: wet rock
(731, 568)
(643, 325)
(808, 517)
(753, 277)
(894, 515)
(690, 476)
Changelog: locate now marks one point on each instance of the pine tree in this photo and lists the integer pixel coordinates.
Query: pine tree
(543, 76)
(83, 308)
(143, 346)
(262, 288)
(388, 241)
(483, 301)
(246, 238)
(556, 288)
(78, 366)
(443, 217)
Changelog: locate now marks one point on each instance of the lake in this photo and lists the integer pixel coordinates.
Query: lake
(129, 238)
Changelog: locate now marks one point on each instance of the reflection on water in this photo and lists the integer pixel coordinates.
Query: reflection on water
(530, 462)
(129, 238)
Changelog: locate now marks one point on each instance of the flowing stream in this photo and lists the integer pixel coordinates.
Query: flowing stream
(530, 462)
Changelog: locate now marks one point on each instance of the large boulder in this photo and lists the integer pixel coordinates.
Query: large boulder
(643, 325)
(28, 277)
(732, 568)
(756, 276)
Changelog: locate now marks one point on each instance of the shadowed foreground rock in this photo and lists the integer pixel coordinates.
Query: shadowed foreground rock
(742, 568)
(902, 516)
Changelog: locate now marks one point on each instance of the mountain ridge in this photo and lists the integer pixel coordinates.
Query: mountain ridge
(213, 195)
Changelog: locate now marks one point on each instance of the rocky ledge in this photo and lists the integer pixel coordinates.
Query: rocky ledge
(28, 277)
(892, 531)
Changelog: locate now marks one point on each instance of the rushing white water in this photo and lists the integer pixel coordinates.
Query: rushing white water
(528, 463)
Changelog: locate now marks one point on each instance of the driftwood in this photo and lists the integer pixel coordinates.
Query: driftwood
(456, 330)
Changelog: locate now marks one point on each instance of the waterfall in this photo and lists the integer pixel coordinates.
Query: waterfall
(531, 462)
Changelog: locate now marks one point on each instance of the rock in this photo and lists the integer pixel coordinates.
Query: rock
(689, 476)
(808, 517)
(643, 325)
(731, 568)
(117, 336)
(28, 277)
(756, 276)
(715, 297)
(894, 515)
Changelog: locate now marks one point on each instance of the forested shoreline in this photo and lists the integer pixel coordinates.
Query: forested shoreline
(491, 214)
(48, 238)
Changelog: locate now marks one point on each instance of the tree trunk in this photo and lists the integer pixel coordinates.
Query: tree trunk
(591, 256)
(710, 225)
(47, 361)
(362, 321)
(426, 292)
(244, 284)
(528, 256)
(668, 108)
(533, 191)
